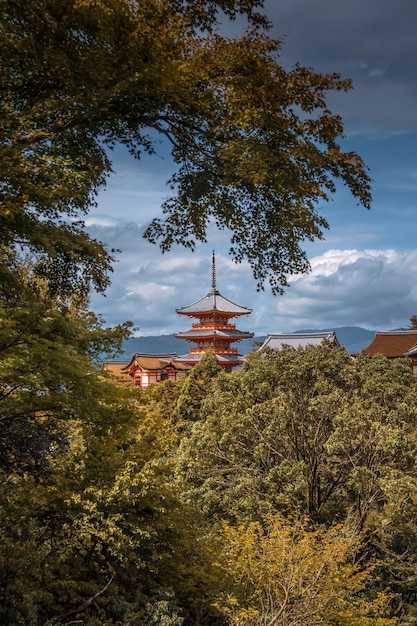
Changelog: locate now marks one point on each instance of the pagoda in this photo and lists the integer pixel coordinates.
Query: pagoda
(213, 331)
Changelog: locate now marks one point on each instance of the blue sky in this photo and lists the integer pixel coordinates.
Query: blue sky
(364, 272)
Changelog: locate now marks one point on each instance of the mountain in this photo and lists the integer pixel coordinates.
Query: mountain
(354, 338)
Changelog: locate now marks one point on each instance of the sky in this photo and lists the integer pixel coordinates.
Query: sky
(364, 273)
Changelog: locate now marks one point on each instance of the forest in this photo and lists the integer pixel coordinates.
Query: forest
(281, 494)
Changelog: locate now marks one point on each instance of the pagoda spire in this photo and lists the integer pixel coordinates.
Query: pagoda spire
(213, 273)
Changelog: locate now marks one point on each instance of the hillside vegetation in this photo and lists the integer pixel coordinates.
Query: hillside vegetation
(284, 493)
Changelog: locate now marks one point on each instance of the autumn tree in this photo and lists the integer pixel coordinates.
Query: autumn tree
(282, 573)
(313, 432)
(87, 496)
(255, 146)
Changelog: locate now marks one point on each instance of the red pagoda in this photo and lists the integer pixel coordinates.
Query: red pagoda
(213, 331)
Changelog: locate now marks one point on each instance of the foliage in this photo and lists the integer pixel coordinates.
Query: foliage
(282, 573)
(288, 493)
(307, 428)
(314, 432)
(197, 386)
(251, 445)
(48, 347)
(413, 323)
(85, 489)
(255, 146)
(105, 508)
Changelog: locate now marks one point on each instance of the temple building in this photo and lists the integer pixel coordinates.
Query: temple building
(148, 369)
(395, 344)
(275, 341)
(213, 330)
(145, 369)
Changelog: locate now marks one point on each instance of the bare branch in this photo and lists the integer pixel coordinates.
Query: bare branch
(91, 602)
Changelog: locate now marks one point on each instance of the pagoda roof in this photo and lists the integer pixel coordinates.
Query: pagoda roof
(214, 302)
(223, 359)
(393, 343)
(275, 341)
(203, 333)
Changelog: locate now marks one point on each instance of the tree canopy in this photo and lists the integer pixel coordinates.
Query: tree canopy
(255, 147)
(283, 493)
(328, 437)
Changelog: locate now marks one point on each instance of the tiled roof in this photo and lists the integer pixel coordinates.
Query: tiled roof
(392, 344)
(205, 333)
(154, 362)
(213, 302)
(297, 340)
(222, 358)
(117, 368)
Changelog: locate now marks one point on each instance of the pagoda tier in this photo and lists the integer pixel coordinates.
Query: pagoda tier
(213, 330)
(213, 307)
(214, 336)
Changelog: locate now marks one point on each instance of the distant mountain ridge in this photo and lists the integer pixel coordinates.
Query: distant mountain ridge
(353, 338)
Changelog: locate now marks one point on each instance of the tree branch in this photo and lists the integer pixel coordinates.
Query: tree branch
(82, 607)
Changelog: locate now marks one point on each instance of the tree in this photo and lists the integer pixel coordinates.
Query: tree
(413, 323)
(197, 386)
(86, 492)
(255, 146)
(312, 432)
(106, 508)
(261, 437)
(307, 429)
(100, 505)
(48, 347)
(281, 573)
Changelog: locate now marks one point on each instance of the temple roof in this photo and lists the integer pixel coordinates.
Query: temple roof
(211, 303)
(117, 368)
(297, 340)
(394, 343)
(205, 333)
(151, 362)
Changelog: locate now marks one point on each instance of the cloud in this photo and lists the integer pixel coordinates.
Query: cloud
(371, 288)
(346, 287)
(371, 42)
(104, 221)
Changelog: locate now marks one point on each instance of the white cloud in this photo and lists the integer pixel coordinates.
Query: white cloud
(103, 221)
(371, 288)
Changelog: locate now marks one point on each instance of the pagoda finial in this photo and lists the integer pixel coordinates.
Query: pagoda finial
(213, 272)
